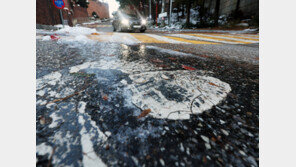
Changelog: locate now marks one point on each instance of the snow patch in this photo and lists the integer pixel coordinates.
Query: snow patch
(43, 149)
(50, 79)
(46, 38)
(169, 51)
(75, 31)
(90, 158)
(55, 119)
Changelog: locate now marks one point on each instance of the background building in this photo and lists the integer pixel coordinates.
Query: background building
(47, 14)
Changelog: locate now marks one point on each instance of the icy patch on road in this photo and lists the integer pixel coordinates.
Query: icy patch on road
(55, 119)
(75, 69)
(46, 38)
(169, 94)
(176, 94)
(50, 79)
(116, 37)
(43, 149)
(169, 51)
(90, 158)
(75, 31)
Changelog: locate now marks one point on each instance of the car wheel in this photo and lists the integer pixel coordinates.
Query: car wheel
(142, 31)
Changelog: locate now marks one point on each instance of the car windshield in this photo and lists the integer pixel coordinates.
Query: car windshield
(129, 15)
(132, 16)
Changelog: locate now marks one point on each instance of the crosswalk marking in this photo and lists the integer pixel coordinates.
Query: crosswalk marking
(234, 36)
(147, 39)
(167, 40)
(221, 39)
(190, 41)
(254, 36)
(192, 38)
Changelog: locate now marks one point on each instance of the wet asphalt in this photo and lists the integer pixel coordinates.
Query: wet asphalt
(225, 135)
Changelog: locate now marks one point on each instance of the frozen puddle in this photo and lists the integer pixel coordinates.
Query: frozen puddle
(169, 94)
(176, 94)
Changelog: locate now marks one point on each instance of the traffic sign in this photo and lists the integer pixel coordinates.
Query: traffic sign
(60, 4)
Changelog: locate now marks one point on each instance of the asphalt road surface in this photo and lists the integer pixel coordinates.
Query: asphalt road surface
(147, 99)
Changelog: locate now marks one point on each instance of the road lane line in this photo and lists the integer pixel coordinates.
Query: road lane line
(147, 39)
(223, 40)
(183, 39)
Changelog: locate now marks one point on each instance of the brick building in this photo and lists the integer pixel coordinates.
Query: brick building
(47, 14)
(101, 8)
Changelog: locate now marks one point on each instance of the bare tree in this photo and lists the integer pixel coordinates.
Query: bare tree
(217, 10)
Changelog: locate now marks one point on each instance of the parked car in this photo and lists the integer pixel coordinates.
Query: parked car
(128, 22)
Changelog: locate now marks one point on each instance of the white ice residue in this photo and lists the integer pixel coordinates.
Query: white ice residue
(124, 38)
(81, 108)
(40, 92)
(50, 79)
(75, 69)
(183, 94)
(169, 94)
(75, 31)
(55, 119)
(90, 158)
(43, 149)
(46, 38)
(169, 51)
(82, 39)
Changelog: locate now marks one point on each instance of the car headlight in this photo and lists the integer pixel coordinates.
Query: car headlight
(125, 22)
(144, 21)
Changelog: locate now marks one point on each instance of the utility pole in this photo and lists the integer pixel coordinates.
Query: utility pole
(62, 19)
(171, 7)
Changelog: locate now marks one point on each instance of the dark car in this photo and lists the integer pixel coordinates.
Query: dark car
(128, 22)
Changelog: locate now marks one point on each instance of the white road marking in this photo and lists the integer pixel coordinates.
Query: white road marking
(200, 38)
(163, 38)
(235, 39)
